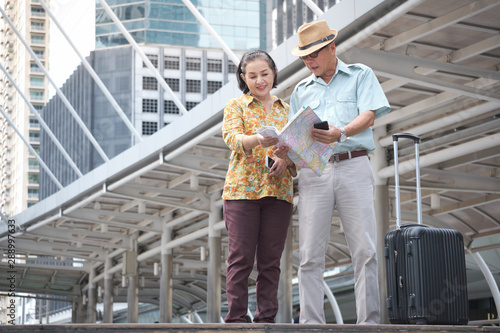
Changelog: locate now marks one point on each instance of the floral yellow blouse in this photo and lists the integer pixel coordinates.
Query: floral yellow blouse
(247, 176)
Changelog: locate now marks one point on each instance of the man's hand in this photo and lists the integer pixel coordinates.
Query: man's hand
(326, 136)
(281, 152)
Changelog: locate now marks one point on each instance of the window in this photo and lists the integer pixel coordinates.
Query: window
(190, 105)
(193, 64)
(36, 11)
(33, 179)
(33, 165)
(213, 86)
(35, 69)
(214, 65)
(173, 84)
(39, 54)
(149, 127)
(171, 108)
(37, 39)
(36, 81)
(36, 95)
(231, 67)
(34, 136)
(34, 123)
(36, 148)
(32, 193)
(149, 83)
(38, 26)
(193, 86)
(171, 62)
(153, 58)
(37, 107)
(150, 105)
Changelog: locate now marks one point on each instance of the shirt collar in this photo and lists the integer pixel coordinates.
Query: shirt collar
(247, 99)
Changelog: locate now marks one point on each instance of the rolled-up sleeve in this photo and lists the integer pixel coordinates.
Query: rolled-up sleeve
(371, 95)
(233, 127)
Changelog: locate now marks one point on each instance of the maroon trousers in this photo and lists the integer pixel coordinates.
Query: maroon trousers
(257, 229)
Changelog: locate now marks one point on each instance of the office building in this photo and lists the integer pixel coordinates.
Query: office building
(187, 56)
(241, 24)
(19, 168)
(287, 16)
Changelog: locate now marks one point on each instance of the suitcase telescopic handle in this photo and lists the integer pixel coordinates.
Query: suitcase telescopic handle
(416, 140)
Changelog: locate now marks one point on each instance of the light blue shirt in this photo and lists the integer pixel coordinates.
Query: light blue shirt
(352, 90)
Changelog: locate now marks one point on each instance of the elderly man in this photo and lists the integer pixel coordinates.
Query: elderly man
(350, 98)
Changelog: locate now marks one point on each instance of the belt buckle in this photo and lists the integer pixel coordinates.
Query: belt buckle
(335, 158)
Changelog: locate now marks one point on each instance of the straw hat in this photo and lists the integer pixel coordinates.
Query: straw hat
(312, 37)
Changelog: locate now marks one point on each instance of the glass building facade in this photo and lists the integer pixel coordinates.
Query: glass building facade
(241, 24)
(114, 67)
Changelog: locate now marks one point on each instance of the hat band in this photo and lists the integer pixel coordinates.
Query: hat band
(332, 36)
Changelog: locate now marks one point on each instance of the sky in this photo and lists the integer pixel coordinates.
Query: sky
(77, 18)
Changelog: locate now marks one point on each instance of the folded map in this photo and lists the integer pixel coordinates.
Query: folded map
(303, 150)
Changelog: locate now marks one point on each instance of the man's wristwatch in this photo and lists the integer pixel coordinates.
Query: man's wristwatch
(343, 136)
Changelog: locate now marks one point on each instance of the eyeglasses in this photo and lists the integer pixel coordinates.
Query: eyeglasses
(313, 55)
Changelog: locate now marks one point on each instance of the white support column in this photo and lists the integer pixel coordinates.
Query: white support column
(58, 91)
(214, 264)
(47, 311)
(94, 75)
(285, 306)
(132, 299)
(382, 208)
(166, 292)
(74, 310)
(91, 303)
(40, 312)
(130, 273)
(143, 56)
(108, 292)
(79, 311)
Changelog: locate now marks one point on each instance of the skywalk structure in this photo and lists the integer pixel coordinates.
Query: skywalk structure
(145, 226)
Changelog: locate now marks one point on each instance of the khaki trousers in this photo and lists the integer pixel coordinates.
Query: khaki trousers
(348, 186)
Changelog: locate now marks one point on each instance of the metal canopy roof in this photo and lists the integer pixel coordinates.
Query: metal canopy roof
(438, 63)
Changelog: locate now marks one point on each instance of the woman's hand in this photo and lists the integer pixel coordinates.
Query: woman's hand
(252, 141)
(279, 167)
(266, 142)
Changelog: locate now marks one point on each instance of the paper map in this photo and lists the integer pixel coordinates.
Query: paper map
(296, 135)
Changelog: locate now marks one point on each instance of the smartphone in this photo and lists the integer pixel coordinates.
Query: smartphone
(269, 162)
(322, 125)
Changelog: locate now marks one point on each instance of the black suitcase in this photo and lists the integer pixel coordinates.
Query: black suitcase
(426, 276)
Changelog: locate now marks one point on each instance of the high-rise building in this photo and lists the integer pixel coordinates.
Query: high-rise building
(182, 50)
(19, 168)
(240, 23)
(286, 16)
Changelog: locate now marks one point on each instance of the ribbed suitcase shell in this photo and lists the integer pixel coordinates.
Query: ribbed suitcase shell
(426, 282)
(426, 274)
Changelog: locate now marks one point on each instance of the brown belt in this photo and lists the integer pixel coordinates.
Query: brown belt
(347, 155)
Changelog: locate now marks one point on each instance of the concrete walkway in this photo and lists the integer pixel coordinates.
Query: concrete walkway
(240, 328)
